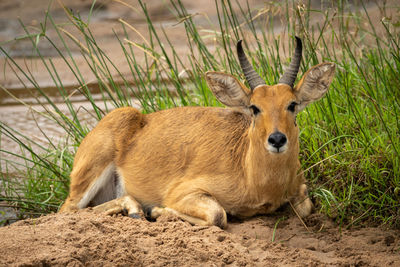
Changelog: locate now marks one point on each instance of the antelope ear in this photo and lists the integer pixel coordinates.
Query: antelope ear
(314, 84)
(228, 90)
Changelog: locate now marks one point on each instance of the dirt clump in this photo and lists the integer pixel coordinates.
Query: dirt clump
(88, 239)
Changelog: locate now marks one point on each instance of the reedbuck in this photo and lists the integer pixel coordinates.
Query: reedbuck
(201, 163)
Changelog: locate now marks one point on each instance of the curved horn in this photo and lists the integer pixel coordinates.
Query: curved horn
(251, 75)
(291, 73)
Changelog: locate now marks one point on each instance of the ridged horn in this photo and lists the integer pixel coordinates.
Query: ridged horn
(251, 75)
(291, 73)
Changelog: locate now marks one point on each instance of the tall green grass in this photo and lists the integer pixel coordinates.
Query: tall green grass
(349, 140)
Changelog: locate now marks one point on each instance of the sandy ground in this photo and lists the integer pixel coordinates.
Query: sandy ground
(88, 239)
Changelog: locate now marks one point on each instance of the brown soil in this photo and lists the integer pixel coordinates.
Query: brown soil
(88, 239)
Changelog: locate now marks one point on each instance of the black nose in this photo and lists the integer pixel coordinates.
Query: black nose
(277, 139)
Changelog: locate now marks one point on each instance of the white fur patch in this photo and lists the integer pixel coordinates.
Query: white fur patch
(273, 149)
(120, 185)
(102, 182)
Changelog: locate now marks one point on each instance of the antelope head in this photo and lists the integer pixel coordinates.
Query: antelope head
(273, 108)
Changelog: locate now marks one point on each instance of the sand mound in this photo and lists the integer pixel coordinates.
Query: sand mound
(88, 239)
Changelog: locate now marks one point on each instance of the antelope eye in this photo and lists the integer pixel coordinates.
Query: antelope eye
(292, 106)
(255, 110)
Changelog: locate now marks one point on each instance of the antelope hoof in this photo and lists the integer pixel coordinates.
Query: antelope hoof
(135, 215)
(303, 204)
(304, 208)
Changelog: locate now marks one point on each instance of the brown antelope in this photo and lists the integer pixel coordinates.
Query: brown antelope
(201, 163)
